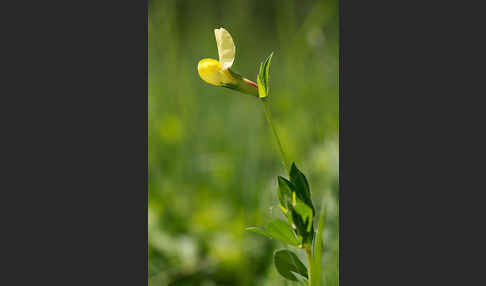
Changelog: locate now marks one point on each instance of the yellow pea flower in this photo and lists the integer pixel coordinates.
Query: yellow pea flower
(211, 72)
(218, 73)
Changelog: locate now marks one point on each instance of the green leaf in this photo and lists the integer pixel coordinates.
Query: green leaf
(301, 279)
(305, 213)
(284, 191)
(287, 262)
(297, 178)
(267, 72)
(280, 230)
(263, 78)
(259, 230)
(302, 227)
(261, 83)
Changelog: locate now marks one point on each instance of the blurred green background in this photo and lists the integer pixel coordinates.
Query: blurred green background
(213, 160)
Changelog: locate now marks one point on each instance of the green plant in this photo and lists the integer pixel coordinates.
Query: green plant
(295, 200)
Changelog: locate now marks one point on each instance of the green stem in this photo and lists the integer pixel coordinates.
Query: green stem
(308, 253)
(270, 122)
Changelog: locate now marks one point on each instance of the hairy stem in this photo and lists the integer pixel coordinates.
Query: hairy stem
(270, 122)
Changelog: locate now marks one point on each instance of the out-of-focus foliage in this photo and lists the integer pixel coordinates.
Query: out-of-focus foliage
(212, 157)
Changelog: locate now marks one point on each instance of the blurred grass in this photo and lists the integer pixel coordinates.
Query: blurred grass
(212, 158)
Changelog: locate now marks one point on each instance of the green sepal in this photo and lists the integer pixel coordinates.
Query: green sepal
(242, 84)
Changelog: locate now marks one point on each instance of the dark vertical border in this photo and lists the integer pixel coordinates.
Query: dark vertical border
(144, 277)
(146, 145)
(405, 143)
(75, 164)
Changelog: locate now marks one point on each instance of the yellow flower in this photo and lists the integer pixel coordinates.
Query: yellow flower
(218, 73)
(211, 72)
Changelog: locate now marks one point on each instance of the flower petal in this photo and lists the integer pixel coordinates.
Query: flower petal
(210, 71)
(226, 48)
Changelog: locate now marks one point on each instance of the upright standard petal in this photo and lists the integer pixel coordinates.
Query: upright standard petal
(226, 48)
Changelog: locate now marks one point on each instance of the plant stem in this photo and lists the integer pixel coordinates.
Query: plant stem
(270, 122)
(308, 253)
(308, 250)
